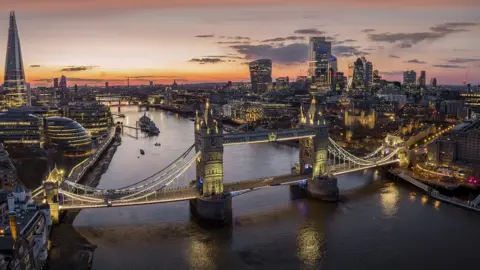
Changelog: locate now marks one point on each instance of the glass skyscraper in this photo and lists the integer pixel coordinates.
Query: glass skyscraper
(260, 75)
(14, 80)
(319, 64)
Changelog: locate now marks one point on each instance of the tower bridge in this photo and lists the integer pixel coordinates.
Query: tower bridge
(320, 159)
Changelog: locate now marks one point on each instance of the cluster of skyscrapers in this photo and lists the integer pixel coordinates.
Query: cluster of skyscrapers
(410, 79)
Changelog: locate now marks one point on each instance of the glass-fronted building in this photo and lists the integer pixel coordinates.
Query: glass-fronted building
(20, 130)
(260, 75)
(96, 118)
(68, 136)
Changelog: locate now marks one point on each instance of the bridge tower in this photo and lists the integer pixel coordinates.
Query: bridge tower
(50, 192)
(313, 154)
(213, 206)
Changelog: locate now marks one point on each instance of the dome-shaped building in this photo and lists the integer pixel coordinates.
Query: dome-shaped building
(68, 136)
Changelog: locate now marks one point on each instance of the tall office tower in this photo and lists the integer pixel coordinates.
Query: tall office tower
(368, 73)
(63, 82)
(376, 76)
(14, 80)
(151, 83)
(260, 75)
(358, 74)
(433, 83)
(106, 84)
(350, 76)
(422, 80)
(55, 83)
(409, 78)
(332, 72)
(319, 65)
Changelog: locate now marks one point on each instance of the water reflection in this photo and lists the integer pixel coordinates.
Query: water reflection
(437, 205)
(389, 199)
(424, 199)
(201, 254)
(310, 245)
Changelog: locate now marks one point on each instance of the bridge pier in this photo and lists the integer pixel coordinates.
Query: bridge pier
(324, 188)
(212, 212)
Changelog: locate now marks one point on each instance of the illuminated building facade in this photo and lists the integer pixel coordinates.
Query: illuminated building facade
(21, 131)
(260, 75)
(68, 136)
(358, 74)
(355, 118)
(96, 118)
(322, 66)
(8, 173)
(14, 79)
(409, 78)
(462, 144)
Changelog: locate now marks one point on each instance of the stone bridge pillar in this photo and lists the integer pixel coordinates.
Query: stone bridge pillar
(314, 155)
(214, 206)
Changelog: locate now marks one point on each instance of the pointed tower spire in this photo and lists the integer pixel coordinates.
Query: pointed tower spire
(14, 79)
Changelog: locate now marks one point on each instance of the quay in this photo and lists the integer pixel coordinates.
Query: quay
(405, 175)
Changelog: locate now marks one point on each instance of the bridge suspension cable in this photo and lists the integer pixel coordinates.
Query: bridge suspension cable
(134, 186)
(177, 174)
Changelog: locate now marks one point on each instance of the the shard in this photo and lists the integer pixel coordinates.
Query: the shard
(14, 81)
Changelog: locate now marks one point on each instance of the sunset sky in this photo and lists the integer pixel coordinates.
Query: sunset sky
(93, 41)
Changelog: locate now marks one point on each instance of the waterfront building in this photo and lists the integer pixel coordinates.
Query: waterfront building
(24, 233)
(14, 79)
(409, 78)
(260, 75)
(68, 136)
(8, 173)
(96, 118)
(21, 131)
(461, 145)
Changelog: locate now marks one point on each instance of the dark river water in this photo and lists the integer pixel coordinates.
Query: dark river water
(380, 225)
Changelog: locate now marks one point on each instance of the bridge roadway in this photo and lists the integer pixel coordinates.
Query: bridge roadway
(182, 194)
(187, 193)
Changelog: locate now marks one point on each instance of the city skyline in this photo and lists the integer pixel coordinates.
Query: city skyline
(147, 41)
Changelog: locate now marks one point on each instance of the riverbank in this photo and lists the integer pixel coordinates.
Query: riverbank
(70, 250)
(407, 176)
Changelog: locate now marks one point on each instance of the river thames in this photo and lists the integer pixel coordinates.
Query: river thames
(380, 225)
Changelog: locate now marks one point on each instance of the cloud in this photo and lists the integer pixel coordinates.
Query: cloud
(391, 73)
(393, 56)
(204, 36)
(348, 51)
(415, 61)
(77, 68)
(286, 54)
(450, 66)
(233, 42)
(228, 56)
(309, 31)
(344, 41)
(34, 66)
(239, 38)
(280, 39)
(407, 40)
(463, 60)
(206, 60)
(368, 30)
